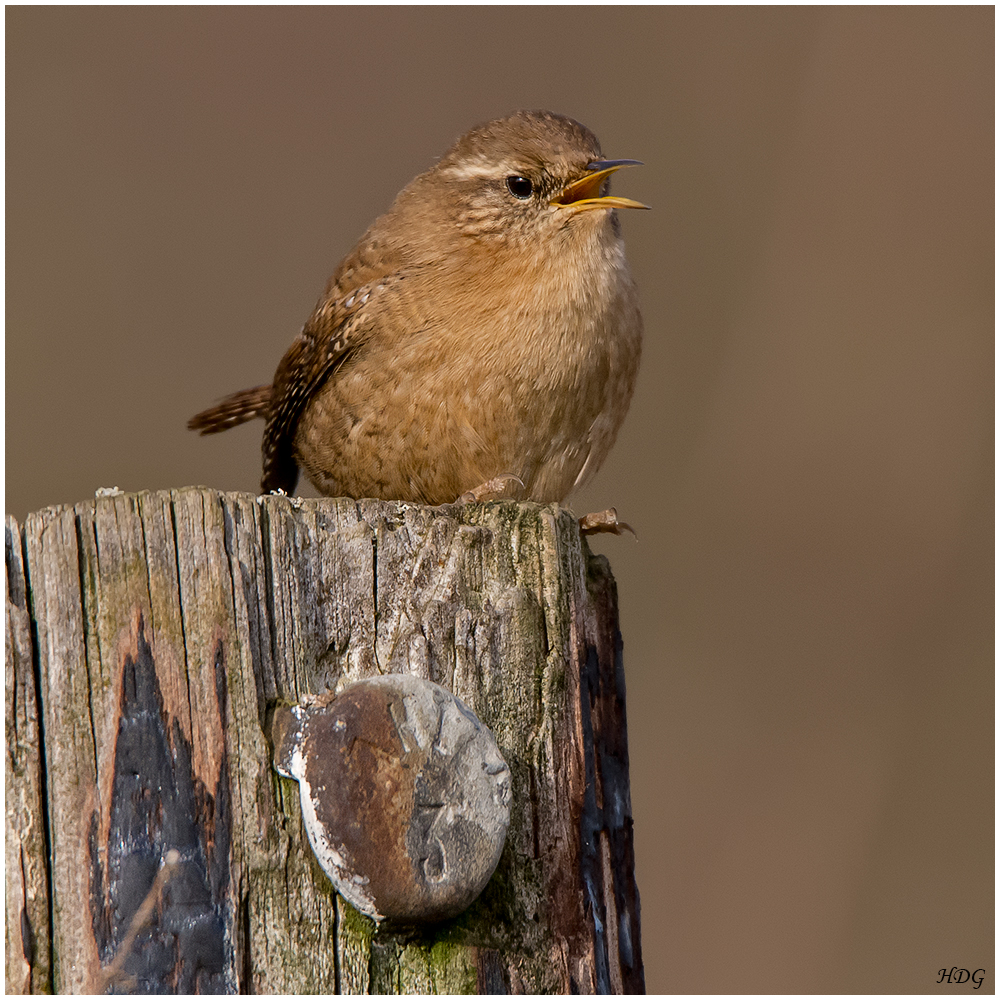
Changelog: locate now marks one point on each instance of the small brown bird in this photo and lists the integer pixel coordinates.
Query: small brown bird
(483, 336)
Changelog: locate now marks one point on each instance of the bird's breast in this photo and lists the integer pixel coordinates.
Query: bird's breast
(527, 370)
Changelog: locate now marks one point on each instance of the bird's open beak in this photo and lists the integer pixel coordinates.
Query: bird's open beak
(585, 193)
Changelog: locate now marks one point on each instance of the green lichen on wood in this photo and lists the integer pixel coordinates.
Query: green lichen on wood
(442, 966)
(444, 958)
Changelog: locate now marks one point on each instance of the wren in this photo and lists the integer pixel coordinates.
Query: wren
(482, 338)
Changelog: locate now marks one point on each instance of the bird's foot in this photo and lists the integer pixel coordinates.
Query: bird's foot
(295, 501)
(604, 522)
(492, 489)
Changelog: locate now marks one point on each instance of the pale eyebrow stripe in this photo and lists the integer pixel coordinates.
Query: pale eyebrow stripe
(470, 171)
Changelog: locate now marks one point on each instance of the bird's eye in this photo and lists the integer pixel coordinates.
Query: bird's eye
(520, 187)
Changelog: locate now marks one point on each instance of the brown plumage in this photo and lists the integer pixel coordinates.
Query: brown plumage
(233, 410)
(487, 325)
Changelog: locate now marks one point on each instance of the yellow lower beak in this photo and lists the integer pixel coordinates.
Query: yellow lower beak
(585, 193)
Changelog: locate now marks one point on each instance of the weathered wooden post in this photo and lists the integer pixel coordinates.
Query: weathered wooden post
(150, 638)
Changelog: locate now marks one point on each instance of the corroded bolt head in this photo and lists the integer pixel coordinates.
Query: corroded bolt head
(404, 795)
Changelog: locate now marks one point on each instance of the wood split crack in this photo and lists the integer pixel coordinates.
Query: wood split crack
(180, 609)
(85, 620)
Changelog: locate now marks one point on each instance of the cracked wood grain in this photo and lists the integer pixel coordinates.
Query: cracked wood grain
(27, 966)
(166, 628)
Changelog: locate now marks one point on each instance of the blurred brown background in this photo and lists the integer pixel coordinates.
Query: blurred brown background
(807, 462)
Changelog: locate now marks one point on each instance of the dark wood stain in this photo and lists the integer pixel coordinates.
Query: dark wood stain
(158, 804)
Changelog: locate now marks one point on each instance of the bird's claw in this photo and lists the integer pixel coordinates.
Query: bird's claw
(604, 522)
(492, 489)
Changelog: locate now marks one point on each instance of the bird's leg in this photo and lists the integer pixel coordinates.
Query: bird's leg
(604, 522)
(492, 489)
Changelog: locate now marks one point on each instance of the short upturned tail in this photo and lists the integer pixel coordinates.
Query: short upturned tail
(233, 410)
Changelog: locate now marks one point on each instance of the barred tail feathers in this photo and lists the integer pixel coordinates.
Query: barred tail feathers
(233, 410)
